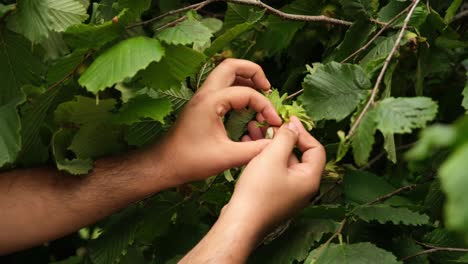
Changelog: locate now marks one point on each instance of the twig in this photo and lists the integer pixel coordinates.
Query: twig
(331, 188)
(433, 248)
(382, 72)
(337, 233)
(390, 195)
(256, 3)
(381, 154)
(172, 23)
(385, 27)
(173, 12)
(71, 73)
(295, 94)
(460, 15)
(8, 12)
(361, 49)
(288, 16)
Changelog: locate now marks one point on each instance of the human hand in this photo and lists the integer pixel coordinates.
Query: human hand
(275, 184)
(198, 146)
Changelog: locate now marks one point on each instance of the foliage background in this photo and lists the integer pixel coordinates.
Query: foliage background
(82, 80)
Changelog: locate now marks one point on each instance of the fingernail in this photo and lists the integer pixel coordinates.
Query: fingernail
(293, 127)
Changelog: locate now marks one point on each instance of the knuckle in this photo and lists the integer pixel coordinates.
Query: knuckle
(228, 61)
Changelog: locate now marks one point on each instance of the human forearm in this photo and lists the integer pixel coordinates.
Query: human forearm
(230, 240)
(42, 204)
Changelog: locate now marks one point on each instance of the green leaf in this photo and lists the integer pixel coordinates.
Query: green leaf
(19, 65)
(60, 142)
(142, 107)
(363, 139)
(358, 8)
(144, 133)
(333, 90)
(403, 247)
(121, 61)
(452, 10)
(236, 124)
(295, 243)
(465, 95)
(286, 110)
(135, 8)
(4, 9)
(432, 138)
(34, 114)
(453, 178)
(283, 31)
(393, 8)
(35, 19)
(85, 36)
(96, 140)
(441, 237)
(220, 42)
(363, 187)
(179, 63)
(375, 58)
(178, 97)
(63, 66)
(356, 36)
(384, 213)
(83, 110)
(389, 146)
(402, 115)
(118, 235)
(190, 31)
(10, 139)
(359, 253)
(238, 14)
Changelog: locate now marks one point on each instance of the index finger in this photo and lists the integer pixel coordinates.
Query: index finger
(239, 97)
(225, 74)
(313, 151)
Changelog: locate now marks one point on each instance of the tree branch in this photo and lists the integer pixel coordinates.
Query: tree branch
(390, 195)
(337, 233)
(173, 12)
(433, 248)
(381, 154)
(460, 15)
(361, 49)
(256, 3)
(385, 27)
(71, 73)
(382, 72)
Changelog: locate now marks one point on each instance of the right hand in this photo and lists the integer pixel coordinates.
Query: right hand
(275, 184)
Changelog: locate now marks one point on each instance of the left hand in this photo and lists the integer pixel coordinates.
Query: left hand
(198, 146)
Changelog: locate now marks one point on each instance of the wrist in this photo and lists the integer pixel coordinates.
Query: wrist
(147, 171)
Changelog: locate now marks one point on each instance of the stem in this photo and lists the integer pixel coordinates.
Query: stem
(433, 248)
(390, 195)
(460, 15)
(385, 27)
(337, 233)
(361, 49)
(381, 154)
(371, 100)
(255, 3)
(173, 12)
(294, 94)
(71, 73)
(331, 188)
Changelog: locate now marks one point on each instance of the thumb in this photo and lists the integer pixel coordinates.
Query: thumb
(241, 153)
(283, 142)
